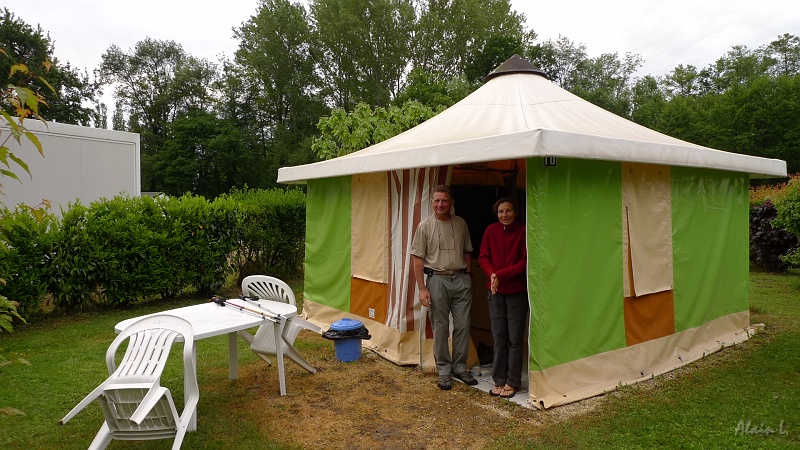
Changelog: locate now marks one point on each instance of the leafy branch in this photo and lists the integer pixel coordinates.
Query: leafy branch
(24, 102)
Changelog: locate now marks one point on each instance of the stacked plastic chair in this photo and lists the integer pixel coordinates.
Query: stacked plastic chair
(263, 343)
(135, 405)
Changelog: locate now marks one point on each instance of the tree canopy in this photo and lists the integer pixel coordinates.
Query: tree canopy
(69, 94)
(323, 78)
(156, 83)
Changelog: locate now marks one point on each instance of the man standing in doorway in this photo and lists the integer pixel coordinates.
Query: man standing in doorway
(441, 249)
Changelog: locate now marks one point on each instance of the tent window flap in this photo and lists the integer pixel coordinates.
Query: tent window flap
(647, 229)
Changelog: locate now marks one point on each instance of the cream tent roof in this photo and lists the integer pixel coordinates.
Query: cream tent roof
(519, 113)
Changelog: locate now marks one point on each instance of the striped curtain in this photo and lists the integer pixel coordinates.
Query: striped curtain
(409, 194)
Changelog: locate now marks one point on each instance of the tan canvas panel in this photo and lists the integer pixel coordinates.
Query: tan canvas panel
(647, 228)
(370, 227)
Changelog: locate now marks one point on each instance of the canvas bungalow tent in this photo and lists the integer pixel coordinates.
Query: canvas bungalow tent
(637, 241)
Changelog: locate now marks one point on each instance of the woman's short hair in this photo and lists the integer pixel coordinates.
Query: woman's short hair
(505, 200)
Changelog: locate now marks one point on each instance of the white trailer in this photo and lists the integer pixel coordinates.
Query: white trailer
(79, 164)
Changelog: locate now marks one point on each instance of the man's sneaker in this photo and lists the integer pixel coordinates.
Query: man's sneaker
(466, 378)
(444, 384)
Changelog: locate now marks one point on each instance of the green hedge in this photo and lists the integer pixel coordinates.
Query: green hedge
(24, 258)
(271, 231)
(117, 251)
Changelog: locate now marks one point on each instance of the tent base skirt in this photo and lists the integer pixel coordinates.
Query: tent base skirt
(570, 382)
(605, 372)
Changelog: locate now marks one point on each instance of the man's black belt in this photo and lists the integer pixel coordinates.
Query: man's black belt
(429, 271)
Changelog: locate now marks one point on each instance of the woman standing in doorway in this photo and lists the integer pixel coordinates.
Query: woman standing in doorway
(503, 257)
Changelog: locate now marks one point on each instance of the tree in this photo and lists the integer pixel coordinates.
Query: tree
(155, 83)
(759, 118)
(681, 118)
(683, 81)
(274, 59)
(648, 99)
(606, 81)
(431, 91)
(783, 55)
(204, 155)
(452, 35)
(736, 67)
(494, 52)
(559, 59)
(67, 91)
(745, 102)
(274, 86)
(362, 49)
(342, 132)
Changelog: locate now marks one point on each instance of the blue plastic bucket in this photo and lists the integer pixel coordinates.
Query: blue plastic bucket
(349, 349)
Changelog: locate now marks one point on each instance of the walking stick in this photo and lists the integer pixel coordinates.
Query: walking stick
(224, 302)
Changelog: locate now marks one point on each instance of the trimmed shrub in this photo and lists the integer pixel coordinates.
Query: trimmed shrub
(129, 232)
(24, 262)
(200, 240)
(75, 260)
(270, 232)
(124, 249)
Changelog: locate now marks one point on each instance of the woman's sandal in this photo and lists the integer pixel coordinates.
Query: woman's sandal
(495, 391)
(508, 391)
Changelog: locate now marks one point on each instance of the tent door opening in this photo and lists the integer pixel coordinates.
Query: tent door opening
(476, 187)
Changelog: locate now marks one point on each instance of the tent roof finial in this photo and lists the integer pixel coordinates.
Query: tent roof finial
(515, 64)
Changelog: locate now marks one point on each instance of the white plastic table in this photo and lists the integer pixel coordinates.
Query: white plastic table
(210, 319)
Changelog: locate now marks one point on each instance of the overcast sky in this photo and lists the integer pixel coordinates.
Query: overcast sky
(664, 33)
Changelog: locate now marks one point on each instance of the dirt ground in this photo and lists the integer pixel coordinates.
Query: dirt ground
(384, 405)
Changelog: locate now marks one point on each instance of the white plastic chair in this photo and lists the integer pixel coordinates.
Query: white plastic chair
(135, 405)
(263, 343)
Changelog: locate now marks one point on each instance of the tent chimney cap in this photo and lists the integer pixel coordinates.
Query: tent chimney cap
(515, 64)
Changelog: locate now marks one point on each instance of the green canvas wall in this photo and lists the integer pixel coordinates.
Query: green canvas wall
(574, 260)
(327, 266)
(710, 230)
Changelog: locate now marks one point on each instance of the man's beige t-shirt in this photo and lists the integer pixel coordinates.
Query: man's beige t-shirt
(442, 244)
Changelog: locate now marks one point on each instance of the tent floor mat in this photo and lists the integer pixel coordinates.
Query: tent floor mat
(483, 374)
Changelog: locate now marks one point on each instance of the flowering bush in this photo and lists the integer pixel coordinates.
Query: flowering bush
(788, 217)
(774, 229)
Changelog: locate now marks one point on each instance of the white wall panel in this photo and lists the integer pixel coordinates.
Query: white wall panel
(79, 163)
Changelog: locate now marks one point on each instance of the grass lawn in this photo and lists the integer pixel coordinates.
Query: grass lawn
(747, 396)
